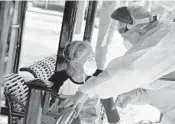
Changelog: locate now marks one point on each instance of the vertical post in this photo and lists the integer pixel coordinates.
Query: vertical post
(21, 15)
(34, 110)
(149, 5)
(46, 4)
(67, 30)
(80, 17)
(4, 29)
(90, 20)
(12, 40)
(127, 3)
(106, 31)
(14, 37)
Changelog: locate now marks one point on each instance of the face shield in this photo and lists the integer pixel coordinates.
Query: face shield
(122, 27)
(131, 21)
(131, 32)
(138, 24)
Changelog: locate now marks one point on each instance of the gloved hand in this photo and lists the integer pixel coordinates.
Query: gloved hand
(132, 97)
(98, 71)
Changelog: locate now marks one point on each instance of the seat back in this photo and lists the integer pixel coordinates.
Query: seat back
(16, 92)
(42, 69)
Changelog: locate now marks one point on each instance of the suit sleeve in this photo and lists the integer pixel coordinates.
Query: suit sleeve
(132, 71)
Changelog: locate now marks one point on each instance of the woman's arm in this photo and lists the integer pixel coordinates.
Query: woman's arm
(58, 78)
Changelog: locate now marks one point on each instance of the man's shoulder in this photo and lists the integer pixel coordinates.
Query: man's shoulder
(167, 24)
(170, 26)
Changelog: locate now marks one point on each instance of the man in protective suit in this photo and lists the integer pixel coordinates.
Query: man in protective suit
(157, 93)
(149, 64)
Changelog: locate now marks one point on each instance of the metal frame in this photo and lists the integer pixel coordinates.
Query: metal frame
(5, 27)
(67, 30)
(90, 20)
(21, 16)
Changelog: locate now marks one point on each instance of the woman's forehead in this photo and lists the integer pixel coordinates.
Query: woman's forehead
(87, 53)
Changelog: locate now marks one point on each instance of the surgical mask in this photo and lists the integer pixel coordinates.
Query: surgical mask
(90, 66)
(132, 37)
(127, 44)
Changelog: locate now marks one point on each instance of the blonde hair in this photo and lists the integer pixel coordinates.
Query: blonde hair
(77, 49)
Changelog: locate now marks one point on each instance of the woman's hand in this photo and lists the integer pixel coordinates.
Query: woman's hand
(74, 100)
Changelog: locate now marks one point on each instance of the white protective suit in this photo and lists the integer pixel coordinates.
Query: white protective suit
(162, 99)
(141, 66)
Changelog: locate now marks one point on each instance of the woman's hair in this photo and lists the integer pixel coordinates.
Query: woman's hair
(76, 49)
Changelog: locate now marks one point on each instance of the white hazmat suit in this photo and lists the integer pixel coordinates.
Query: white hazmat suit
(144, 64)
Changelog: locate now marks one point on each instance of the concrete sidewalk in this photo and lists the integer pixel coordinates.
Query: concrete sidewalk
(44, 11)
(3, 119)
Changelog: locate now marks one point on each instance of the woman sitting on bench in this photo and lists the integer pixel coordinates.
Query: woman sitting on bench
(80, 65)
